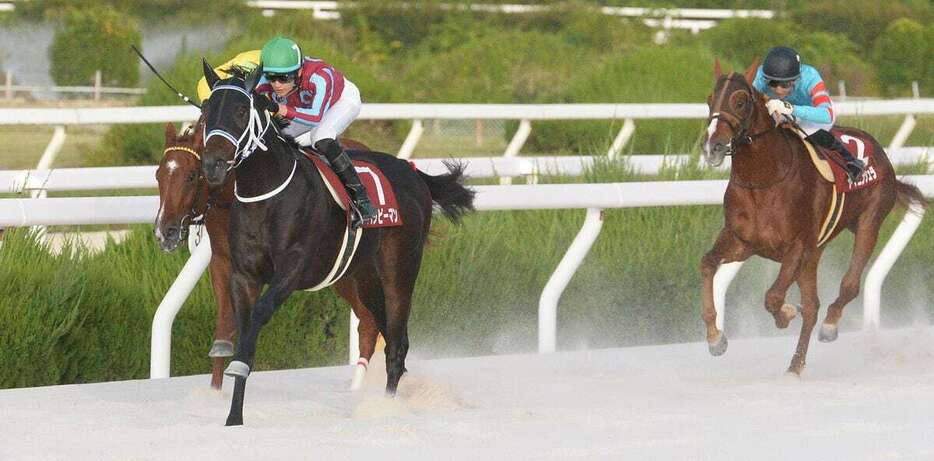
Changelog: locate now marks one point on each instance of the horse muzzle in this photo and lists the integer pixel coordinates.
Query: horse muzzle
(715, 152)
(215, 172)
(169, 237)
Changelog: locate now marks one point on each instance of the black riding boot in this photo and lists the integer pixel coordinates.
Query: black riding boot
(853, 166)
(363, 210)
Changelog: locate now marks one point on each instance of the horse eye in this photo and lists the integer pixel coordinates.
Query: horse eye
(241, 112)
(192, 177)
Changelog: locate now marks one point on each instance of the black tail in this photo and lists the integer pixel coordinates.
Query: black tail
(906, 193)
(448, 191)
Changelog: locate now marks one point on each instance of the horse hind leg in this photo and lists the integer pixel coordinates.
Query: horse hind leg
(400, 260)
(367, 331)
(867, 233)
(810, 303)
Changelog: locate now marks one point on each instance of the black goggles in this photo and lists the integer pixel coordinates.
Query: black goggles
(781, 83)
(281, 78)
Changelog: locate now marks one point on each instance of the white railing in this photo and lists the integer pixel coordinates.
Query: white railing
(43, 179)
(593, 197)
(525, 113)
(96, 90)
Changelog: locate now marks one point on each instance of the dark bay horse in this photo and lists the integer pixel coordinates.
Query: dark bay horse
(184, 196)
(290, 238)
(775, 206)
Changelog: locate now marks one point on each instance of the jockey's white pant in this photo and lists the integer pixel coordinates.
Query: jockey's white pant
(333, 123)
(810, 127)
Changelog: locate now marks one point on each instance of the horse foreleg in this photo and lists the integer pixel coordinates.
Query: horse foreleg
(775, 296)
(244, 292)
(810, 304)
(225, 326)
(867, 233)
(726, 249)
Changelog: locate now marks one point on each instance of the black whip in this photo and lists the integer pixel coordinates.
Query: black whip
(153, 69)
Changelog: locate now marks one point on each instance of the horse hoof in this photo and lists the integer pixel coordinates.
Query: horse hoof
(718, 347)
(793, 372)
(221, 348)
(828, 333)
(237, 369)
(234, 421)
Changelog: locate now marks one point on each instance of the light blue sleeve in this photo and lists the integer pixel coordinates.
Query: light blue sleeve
(801, 98)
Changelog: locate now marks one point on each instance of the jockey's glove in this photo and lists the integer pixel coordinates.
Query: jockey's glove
(777, 106)
(263, 102)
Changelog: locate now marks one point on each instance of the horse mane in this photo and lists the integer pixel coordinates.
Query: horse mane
(237, 71)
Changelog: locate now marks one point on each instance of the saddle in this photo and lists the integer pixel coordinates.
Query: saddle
(829, 163)
(381, 194)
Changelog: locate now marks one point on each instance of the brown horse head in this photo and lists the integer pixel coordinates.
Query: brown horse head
(736, 113)
(182, 192)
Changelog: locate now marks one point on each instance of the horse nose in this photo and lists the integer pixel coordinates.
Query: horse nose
(171, 233)
(720, 148)
(215, 171)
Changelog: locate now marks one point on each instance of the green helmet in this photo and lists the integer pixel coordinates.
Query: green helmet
(281, 56)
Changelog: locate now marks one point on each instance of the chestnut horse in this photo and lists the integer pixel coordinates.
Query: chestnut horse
(775, 205)
(184, 197)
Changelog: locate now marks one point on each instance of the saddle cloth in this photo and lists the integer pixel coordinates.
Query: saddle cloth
(378, 189)
(832, 169)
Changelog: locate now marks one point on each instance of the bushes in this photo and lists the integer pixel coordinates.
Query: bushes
(902, 54)
(95, 39)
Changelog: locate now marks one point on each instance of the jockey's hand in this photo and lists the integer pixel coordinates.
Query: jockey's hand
(777, 106)
(267, 104)
(781, 111)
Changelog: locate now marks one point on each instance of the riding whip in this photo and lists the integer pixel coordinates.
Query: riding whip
(153, 69)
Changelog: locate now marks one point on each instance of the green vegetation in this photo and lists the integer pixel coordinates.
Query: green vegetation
(87, 317)
(95, 39)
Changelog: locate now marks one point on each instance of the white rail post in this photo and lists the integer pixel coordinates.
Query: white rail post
(408, 146)
(9, 85)
(516, 143)
(625, 133)
(161, 343)
(97, 85)
(908, 125)
(548, 302)
(884, 262)
(721, 283)
(45, 163)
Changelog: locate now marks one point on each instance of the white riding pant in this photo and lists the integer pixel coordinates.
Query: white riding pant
(810, 127)
(333, 123)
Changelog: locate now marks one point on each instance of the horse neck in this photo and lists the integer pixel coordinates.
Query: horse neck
(767, 159)
(264, 171)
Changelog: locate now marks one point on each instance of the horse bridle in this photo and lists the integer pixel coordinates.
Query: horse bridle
(739, 126)
(252, 136)
(192, 217)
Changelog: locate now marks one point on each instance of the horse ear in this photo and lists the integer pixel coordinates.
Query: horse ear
(209, 73)
(253, 77)
(717, 71)
(170, 133)
(751, 71)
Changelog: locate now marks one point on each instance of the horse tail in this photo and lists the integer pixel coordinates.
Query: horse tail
(448, 190)
(907, 194)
